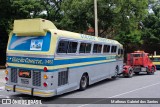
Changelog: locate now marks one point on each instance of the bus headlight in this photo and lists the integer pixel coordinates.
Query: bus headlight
(45, 76)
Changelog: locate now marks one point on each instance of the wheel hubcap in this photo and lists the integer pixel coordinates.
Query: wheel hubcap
(84, 81)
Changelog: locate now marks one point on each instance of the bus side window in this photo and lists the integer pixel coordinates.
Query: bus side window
(62, 46)
(122, 51)
(106, 49)
(155, 59)
(113, 49)
(97, 48)
(119, 51)
(85, 48)
(72, 47)
(65, 46)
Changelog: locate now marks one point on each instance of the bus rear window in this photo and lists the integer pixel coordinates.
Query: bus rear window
(30, 43)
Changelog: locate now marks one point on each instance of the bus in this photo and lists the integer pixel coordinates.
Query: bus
(156, 60)
(44, 61)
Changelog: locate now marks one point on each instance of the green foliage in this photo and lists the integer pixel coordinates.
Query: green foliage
(117, 19)
(77, 15)
(128, 31)
(151, 34)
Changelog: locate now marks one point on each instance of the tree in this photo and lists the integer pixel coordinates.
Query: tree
(11, 10)
(129, 33)
(117, 19)
(77, 15)
(151, 30)
(52, 9)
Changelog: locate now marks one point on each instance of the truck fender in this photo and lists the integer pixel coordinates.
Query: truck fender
(150, 67)
(127, 71)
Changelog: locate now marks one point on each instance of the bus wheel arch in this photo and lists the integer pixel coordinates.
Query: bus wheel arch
(84, 81)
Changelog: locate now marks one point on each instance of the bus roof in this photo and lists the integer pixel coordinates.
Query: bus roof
(68, 34)
(36, 27)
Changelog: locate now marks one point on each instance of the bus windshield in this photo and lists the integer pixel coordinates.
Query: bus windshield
(30, 43)
(155, 59)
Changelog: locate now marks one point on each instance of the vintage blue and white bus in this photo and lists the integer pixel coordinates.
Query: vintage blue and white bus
(156, 60)
(44, 61)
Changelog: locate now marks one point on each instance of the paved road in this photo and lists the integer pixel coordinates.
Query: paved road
(141, 86)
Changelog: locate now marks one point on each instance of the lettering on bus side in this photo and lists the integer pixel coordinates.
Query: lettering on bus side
(26, 60)
(48, 61)
(93, 38)
(87, 37)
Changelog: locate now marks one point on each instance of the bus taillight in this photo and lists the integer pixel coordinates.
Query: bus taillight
(6, 78)
(45, 84)
(45, 76)
(6, 72)
(45, 69)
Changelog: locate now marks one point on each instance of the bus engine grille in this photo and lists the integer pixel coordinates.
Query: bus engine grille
(62, 78)
(14, 75)
(36, 78)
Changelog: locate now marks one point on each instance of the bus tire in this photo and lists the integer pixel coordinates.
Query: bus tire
(83, 82)
(116, 73)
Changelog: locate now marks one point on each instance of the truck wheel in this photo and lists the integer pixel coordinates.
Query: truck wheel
(151, 72)
(130, 74)
(83, 82)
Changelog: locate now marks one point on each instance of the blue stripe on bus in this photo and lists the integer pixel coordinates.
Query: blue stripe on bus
(52, 62)
(54, 70)
(80, 60)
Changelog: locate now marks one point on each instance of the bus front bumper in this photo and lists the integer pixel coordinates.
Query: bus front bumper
(30, 91)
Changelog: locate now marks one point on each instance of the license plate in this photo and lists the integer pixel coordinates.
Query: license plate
(143, 69)
(25, 73)
(24, 81)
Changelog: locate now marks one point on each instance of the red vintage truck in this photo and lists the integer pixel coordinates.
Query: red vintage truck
(137, 62)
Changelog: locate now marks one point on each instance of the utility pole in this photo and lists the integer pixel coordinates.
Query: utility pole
(96, 20)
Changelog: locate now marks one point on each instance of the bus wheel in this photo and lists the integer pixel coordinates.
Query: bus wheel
(83, 82)
(116, 73)
(151, 72)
